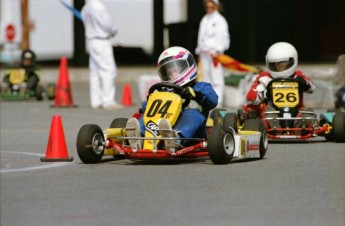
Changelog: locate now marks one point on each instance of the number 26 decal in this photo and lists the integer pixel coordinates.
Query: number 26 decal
(289, 97)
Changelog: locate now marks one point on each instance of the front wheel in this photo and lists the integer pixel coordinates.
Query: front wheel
(90, 143)
(258, 125)
(221, 144)
(339, 126)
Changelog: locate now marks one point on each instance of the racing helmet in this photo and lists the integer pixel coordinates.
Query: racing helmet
(281, 60)
(28, 59)
(177, 65)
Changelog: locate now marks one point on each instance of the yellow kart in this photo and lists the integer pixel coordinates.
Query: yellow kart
(222, 143)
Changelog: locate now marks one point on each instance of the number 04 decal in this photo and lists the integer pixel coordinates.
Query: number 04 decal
(159, 107)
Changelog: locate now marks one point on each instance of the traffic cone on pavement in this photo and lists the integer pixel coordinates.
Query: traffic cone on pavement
(127, 96)
(56, 148)
(63, 95)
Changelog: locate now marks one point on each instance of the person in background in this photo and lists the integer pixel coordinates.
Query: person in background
(99, 29)
(213, 40)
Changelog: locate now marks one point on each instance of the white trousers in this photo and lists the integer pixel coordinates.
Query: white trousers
(213, 75)
(103, 72)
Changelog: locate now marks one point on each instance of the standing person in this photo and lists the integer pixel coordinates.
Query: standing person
(98, 31)
(213, 40)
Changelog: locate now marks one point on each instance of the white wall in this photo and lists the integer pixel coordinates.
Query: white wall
(52, 35)
(134, 19)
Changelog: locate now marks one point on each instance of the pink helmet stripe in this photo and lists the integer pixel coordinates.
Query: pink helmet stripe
(179, 55)
(192, 70)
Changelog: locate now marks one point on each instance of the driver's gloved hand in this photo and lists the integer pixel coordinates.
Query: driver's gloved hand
(263, 95)
(188, 93)
(199, 97)
(302, 82)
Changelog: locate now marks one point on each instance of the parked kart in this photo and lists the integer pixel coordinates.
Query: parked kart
(286, 121)
(16, 85)
(221, 144)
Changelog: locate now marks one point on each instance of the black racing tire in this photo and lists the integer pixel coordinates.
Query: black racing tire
(216, 116)
(231, 119)
(339, 127)
(39, 92)
(90, 143)
(258, 125)
(32, 82)
(221, 144)
(322, 122)
(119, 123)
(6, 79)
(50, 91)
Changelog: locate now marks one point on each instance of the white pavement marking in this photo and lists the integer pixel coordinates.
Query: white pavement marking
(51, 165)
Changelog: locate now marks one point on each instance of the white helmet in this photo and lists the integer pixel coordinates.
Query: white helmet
(285, 54)
(177, 65)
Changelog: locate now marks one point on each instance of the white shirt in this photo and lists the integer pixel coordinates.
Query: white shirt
(213, 35)
(97, 21)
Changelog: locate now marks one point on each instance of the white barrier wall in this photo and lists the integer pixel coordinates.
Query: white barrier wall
(52, 25)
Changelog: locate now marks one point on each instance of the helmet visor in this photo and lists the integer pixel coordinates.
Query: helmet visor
(172, 70)
(280, 65)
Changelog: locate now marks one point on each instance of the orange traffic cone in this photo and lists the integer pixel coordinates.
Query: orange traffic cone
(127, 96)
(63, 96)
(56, 148)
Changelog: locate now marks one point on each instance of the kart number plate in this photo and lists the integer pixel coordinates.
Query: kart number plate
(17, 76)
(163, 105)
(285, 94)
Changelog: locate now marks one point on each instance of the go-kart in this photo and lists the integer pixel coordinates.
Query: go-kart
(284, 119)
(16, 85)
(221, 143)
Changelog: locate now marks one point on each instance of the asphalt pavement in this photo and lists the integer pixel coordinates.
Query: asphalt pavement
(297, 183)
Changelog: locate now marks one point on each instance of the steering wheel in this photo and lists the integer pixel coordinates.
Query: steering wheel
(175, 88)
(269, 85)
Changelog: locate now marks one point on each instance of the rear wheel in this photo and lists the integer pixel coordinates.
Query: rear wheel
(216, 116)
(90, 143)
(221, 144)
(119, 123)
(258, 125)
(39, 92)
(339, 126)
(231, 119)
(50, 91)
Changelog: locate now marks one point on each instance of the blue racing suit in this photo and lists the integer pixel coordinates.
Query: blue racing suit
(192, 120)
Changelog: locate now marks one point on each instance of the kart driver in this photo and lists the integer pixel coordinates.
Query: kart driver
(177, 65)
(28, 63)
(281, 61)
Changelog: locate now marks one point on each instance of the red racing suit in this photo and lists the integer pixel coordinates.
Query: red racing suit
(256, 96)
